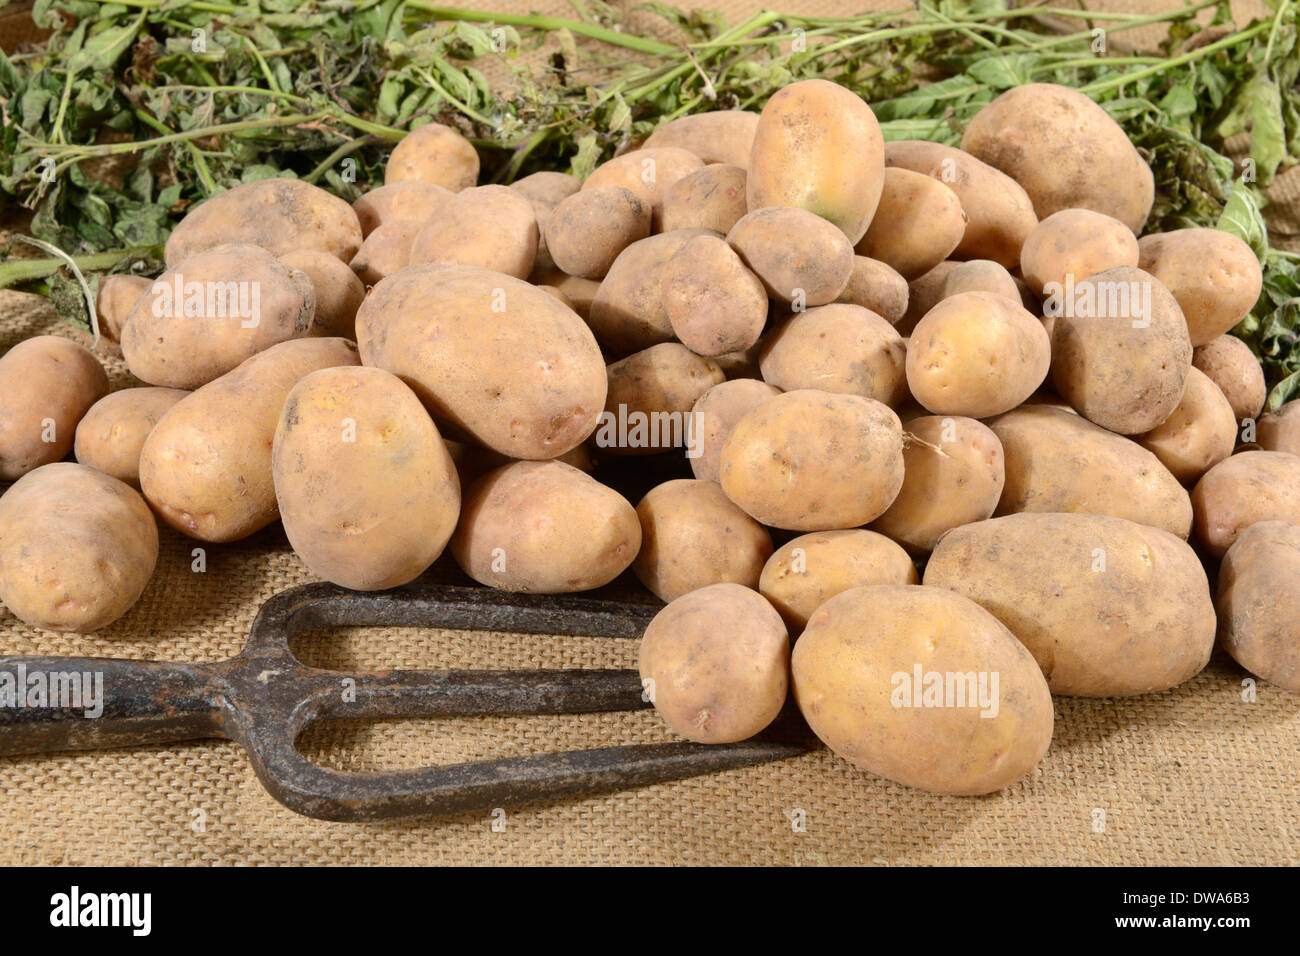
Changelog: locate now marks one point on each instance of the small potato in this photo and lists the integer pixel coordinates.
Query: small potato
(546, 528)
(1259, 602)
(818, 148)
(1241, 490)
(1122, 360)
(1214, 276)
(715, 414)
(1232, 366)
(436, 154)
(999, 213)
(77, 548)
(110, 436)
(837, 348)
(586, 232)
(811, 569)
(799, 256)
(1108, 608)
(206, 466)
(338, 292)
(1058, 461)
(692, 536)
(47, 383)
(814, 461)
(117, 295)
(491, 227)
(650, 397)
(977, 355)
(917, 225)
(1074, 244)
(923, 687)
(710, 198)
(410, 200)
(386, 250)
(366, 489)
(1280, 430)
(716, 664)
(1200, 433)
(924, 294)
(648, 173)
(209, 313)
(714, 303)
(878, 288)
(578, 293)
(953, 474)
(980, 275)
(719, 136)
(280, 215)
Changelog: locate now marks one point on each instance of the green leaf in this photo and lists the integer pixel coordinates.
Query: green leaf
(1241, 217)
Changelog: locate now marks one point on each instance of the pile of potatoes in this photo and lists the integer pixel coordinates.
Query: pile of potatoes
(832, 361)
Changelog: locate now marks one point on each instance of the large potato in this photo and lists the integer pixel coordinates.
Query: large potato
(649, 399)
(1065, 151)
(837, 348)
(111, 434)
(918, 223)
(800, 257)
(710, 198)
(280, 215)
(1056, 461)
(496, 358)
(491, 227)
(720, 136)
(77, 548)
(1074, 244)
(648, 173)
(436, 154)
(205, 315)
(1241, 490)
(338, 291)
(544, 527)
(586, 232)
(366, 489)
(1200, 433)
(875, 286)
(716, 664)
(814, 461)
(1108, 607)
(1214, 276)
(693, 536)
(1259, 602)
(714, 304)
(923, 687)
(1280, 430)
(818, 147)
(206, 466)
(715, 414)
(410, 200)
(1232, 366)
(47, 384)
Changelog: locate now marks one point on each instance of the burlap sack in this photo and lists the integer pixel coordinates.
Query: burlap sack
(1197, 775)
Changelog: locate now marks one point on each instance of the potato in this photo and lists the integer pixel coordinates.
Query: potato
(1259, 602)
(837, 348)
(1200, 433)
(738, 365)
(980, 275)
(720, 136)
(819, 148)
(923, 687)
(693, 536)
(1074, 244)
(280, 215)
(953, 474)
(209, 313)
(809, 570)
(1108, 607)
(876, 287)
(410, 200)
(1280, 430)
(338, 292)
(1120, 352)
(918, 223)
(117, 295)
(493, 357)
(627, 312)
(491, 227)
(648, 173)
(810, 460)
(544, 527)
(1057, 461)
(800, 258)
(1241, 490)
(1214, 276)
(1065, 151)
(578, 293)
(586, 232)
(999, 213)
(111, 434)
(924, 294)
(650, 397)
(366, 489)
(436, 154)
(1232, 366)
(47, 383)
(545, 191)
(715, 414)
(206, 466)
(709, 198)
(77, 548)
(386, 250)
(714, 304)
(976, 354)
(716, 664)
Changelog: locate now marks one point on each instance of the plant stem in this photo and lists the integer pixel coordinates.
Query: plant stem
(20, 271)
(613, 37)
